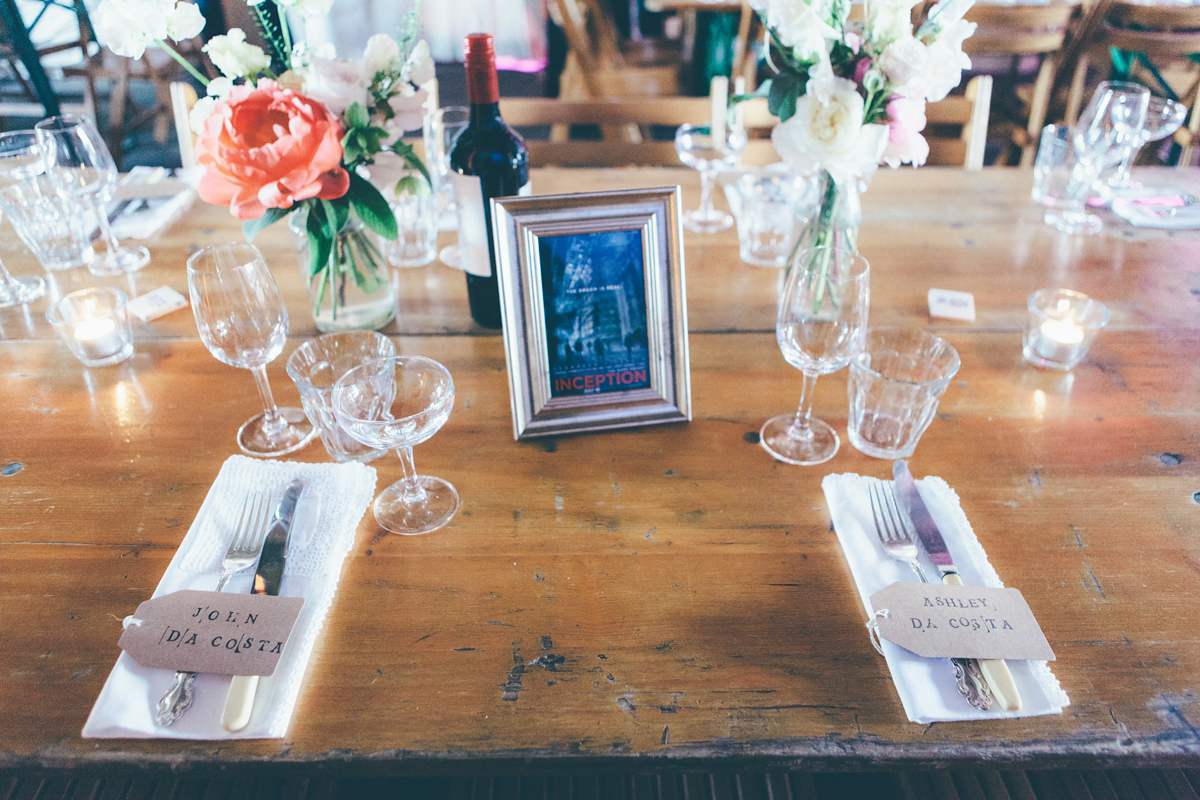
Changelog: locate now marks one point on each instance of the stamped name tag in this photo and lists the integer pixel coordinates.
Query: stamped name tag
(219, 632)
(937, 620)
(948, 304)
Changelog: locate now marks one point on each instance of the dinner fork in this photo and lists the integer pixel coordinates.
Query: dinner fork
(897, 543)
(243, 551)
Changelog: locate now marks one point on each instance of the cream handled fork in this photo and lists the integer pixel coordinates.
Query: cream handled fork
(243, 551)
(889, 527)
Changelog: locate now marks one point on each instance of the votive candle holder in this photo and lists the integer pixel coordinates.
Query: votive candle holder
(95, 325)
(1061, 328)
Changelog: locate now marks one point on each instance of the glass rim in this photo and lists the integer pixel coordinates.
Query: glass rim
(213, 264)
(923, 336)
(54, 313)
(304, 349)
(1095, 314)
(342, 384)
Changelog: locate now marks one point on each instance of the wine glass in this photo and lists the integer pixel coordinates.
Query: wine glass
(822, 324)
(1110, 123)
(1163, 118)
(698, 149)
(80, 165)
(243, 322)
(396, 403)
(17, 291)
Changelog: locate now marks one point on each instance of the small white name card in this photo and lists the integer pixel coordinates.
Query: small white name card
(949, 304)
(153, 305)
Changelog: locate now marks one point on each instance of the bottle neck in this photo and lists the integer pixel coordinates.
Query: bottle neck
(485, 115)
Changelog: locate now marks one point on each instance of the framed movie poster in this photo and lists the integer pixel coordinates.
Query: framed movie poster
(595, 319)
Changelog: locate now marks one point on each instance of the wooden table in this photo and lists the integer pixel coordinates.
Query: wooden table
(691, 585)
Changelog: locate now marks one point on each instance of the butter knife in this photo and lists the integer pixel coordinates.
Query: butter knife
(268, 576)
(995, 671)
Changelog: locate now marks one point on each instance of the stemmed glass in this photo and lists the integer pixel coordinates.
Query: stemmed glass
(1163, 117)
(80, 165)
(15, 291)
(698, 149)
(822, 324)
(243, 322)
(1109, 125)
(395, 404)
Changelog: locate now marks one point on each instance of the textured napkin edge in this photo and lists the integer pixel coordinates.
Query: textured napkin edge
(967, 541)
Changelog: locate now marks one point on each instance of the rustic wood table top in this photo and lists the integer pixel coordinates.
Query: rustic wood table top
(690, 586)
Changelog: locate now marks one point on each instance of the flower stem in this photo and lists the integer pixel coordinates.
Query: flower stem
(173, 53)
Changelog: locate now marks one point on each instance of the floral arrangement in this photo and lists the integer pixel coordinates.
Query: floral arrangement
(852, 94)
(295, 128)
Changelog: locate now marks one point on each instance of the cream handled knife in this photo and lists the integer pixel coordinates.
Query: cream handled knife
(995, 671)
(267, 578)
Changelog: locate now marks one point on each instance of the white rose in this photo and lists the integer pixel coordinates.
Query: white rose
(408, 111)
(381, 54)
(905, 63)
(336, 84)
(128, 27)
(418, 69)
(234, 56)
(831, 135)
(889, 20)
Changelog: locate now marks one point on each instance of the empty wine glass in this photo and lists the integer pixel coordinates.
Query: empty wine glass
(243, 323)
(16, 291)
(698, 149)
(1163, 118)
(1108, 125)
(80, 165)
(395, 404)
(822, 324)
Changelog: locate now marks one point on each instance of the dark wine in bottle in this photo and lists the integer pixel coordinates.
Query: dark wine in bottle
(488, 160)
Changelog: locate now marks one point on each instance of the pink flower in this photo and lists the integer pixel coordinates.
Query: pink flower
(860, 69)
(269, 147)
(905, 143)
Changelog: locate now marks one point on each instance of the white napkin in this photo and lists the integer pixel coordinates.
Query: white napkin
(322, 534)
(926, 685)
(1153, 216)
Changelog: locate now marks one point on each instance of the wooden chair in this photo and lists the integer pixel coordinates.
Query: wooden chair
(183, 99)
(1021, 30)
(956, 128)
(597, 65)
(1165, 38)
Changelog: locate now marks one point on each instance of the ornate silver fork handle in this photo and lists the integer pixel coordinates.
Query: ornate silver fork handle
(177, 699)
(971, 683)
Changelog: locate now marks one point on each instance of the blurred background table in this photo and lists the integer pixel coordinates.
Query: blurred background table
(659, 598)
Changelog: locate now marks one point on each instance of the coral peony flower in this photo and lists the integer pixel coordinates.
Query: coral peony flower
(269, 147)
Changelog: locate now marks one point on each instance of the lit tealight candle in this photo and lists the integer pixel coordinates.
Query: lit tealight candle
(98, 337)
(1061, 327)
(1062, 331)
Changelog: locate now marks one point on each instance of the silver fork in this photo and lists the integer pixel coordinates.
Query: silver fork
(897, 543)
(243, 551)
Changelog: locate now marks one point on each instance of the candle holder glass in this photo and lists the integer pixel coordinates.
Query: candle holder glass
(95, 325)
(1062, 325)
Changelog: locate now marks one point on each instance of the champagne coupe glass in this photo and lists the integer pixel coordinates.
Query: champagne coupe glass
(394, 404)
(698, 149)
(243, 323)
(1163, 118)
(1110, 123)
(79, 163)
(822, 324)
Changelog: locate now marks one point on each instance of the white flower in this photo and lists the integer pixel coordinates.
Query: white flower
(889, 20)
(184, 22)
(831, 135)
(307, 8)
(408, 111)
(219, 87)
(381, 54)
(905, 63)
(418, 69)
(947, 59)
(336, 84)
(905, 144)
(200, 113)
(234, 56)
(800, 27)
(128, 27)
(821, 80)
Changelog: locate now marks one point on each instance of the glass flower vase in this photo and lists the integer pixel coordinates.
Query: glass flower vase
(353, 289)
(835, 219)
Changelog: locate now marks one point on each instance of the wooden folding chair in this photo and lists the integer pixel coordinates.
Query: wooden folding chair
(597, 66)
(956, 128)
(1020, 30)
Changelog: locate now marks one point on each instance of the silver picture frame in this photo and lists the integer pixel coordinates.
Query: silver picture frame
(594, 307)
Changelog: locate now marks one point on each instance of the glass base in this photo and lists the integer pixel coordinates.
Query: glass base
(397, 515)
(119, 261)
(21, 290)
(255, 440)
(1073, 222)
(710, 221)
(817, 448)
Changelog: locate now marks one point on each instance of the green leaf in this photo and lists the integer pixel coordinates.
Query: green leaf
(372, 208)
(411, 158)
(251, 227)
(785, 90)
(357, 116)
(320, 240)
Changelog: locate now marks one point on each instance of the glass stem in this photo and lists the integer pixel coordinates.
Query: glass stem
(7, 282)
(706, 182)
(273, 421)
(414, 492)
(800, 428)
(106, 231)
(1120, 178)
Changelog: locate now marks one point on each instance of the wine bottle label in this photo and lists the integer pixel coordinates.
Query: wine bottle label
(472, 224)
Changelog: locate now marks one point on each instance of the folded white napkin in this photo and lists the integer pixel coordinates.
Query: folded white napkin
(1143, 215)
(926, 685)
(154, 215)
(322, 534)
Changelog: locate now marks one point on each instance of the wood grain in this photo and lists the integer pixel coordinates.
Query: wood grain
(657, 597)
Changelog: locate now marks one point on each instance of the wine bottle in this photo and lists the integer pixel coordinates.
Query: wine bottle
(488, 160)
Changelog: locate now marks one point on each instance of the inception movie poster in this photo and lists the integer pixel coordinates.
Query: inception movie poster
(594, 294)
